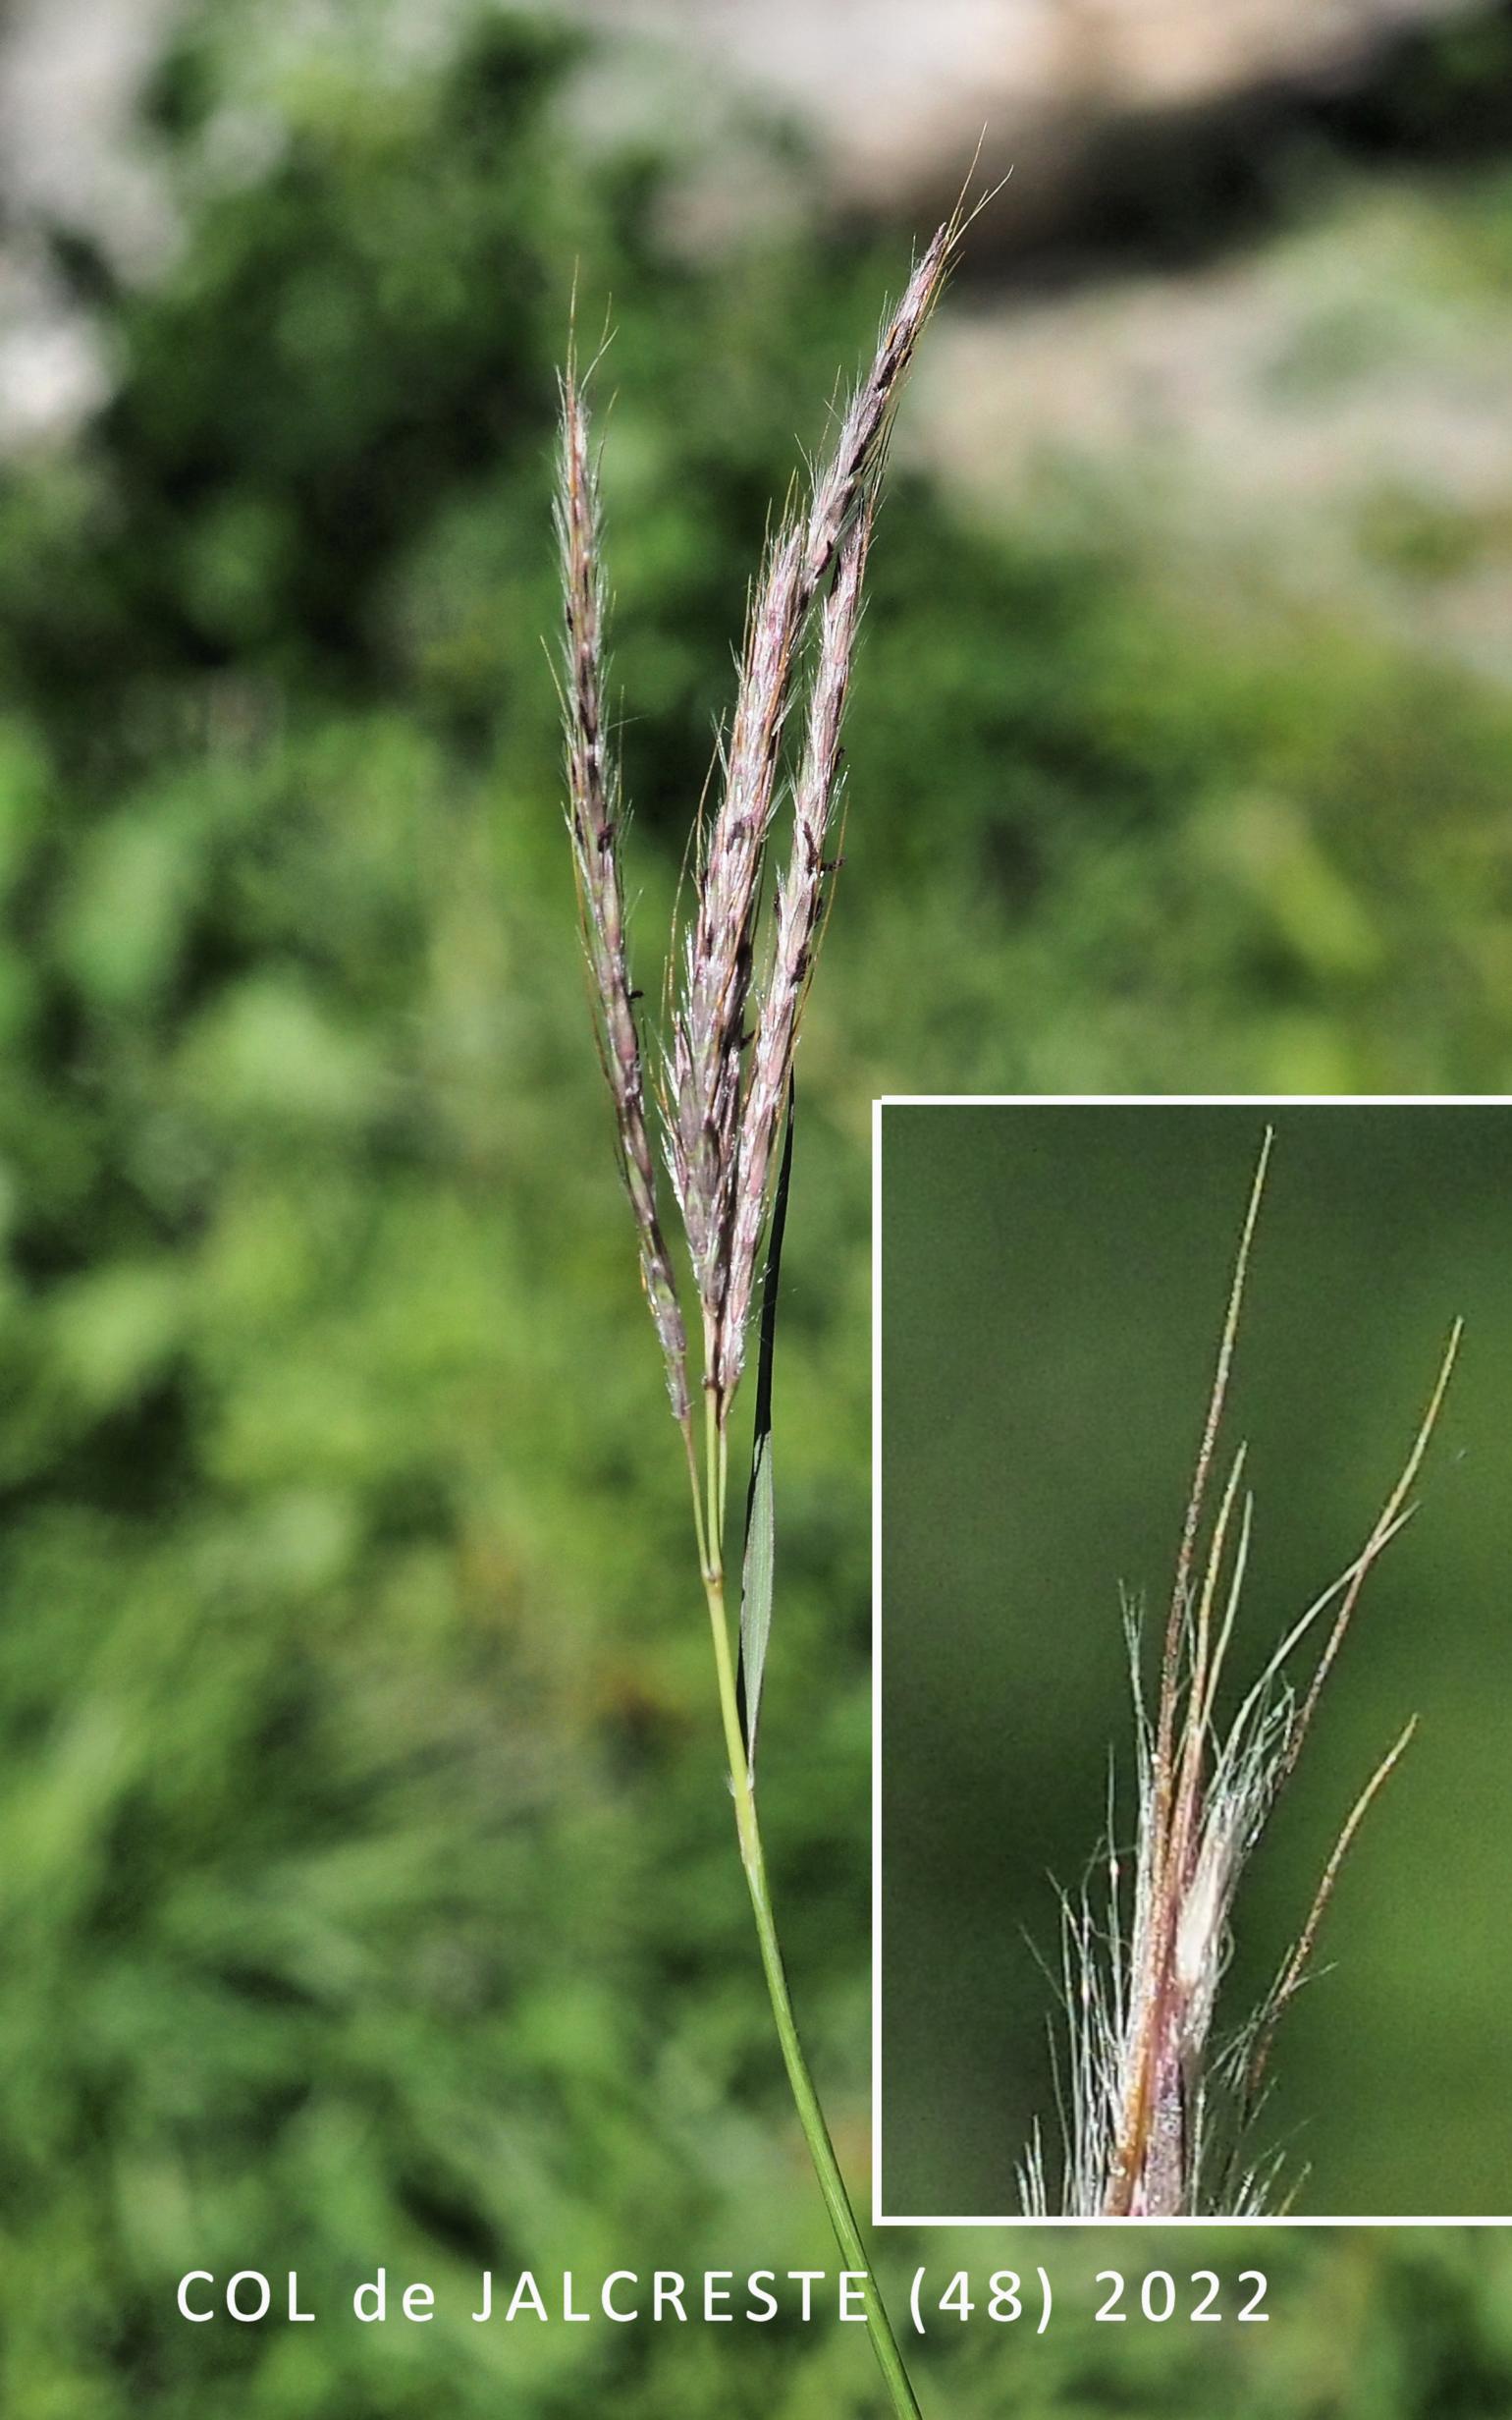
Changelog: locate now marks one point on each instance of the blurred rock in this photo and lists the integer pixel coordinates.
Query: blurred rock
(68, 75)
(900, 92)
(1323, 417)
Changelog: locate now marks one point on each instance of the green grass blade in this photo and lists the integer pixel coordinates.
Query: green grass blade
(756, 1592)
(757, 1569)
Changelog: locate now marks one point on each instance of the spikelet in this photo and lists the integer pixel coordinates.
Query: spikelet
(723, 1127)
(594, 818)
(1157, 2112)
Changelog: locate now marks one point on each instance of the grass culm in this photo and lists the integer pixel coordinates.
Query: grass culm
(716, 1111)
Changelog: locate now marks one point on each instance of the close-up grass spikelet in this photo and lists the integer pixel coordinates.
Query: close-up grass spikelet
(1158, 2111)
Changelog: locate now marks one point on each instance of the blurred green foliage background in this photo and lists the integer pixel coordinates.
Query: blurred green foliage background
(1054, 1288)
(364, 1860)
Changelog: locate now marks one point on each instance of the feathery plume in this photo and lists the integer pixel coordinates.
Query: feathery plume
(710, 1031)
(800, 894)
(594, 820)
(721, 1163)
(730, 1063)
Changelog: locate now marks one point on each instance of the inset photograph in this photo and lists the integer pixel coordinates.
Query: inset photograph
(1194, 1660)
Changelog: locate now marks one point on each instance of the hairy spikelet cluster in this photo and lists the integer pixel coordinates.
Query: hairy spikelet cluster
(1158, 2113)
(593, 819)
(744, 970)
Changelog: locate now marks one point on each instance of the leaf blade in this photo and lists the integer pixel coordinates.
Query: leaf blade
(758, 1566)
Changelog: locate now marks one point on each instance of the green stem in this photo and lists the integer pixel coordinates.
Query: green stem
(811, 2119)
